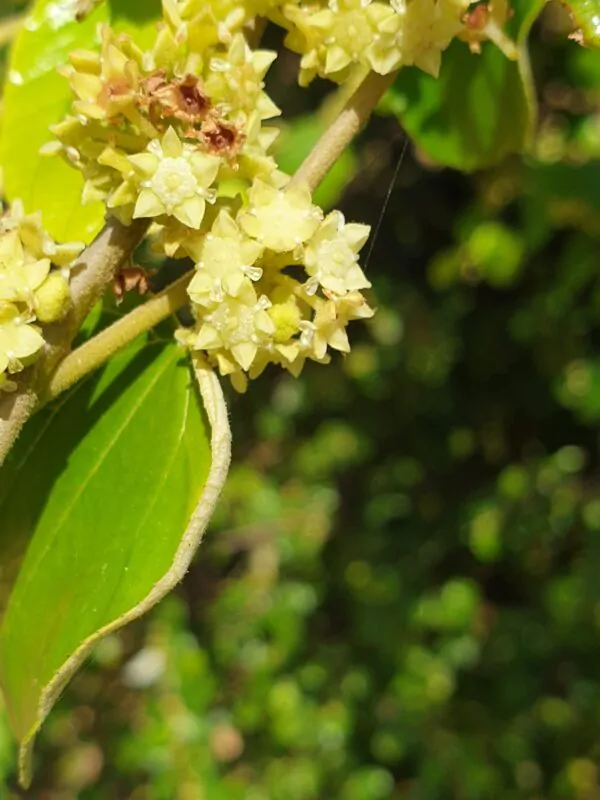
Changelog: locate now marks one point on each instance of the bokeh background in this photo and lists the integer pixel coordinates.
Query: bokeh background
(399, 596)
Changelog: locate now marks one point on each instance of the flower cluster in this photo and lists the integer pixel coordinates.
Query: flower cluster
(177, 135)
(335, 35)
(33, 288)
(158, 133)
(332, 36)
(251, 309)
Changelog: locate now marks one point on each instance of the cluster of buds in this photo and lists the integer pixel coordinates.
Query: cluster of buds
(176, 135)
(34, 288)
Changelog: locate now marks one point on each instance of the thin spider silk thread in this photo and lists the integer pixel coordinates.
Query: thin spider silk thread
(386, 203)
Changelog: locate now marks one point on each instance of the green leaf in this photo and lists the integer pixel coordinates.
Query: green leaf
(102, 488)
(472, 116)
(480, 109)
(137, 17)
(36, 97)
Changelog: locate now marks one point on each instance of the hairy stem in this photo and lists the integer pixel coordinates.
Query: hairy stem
(94, 268)
(92, 271)
(338, 136)
(98, 350)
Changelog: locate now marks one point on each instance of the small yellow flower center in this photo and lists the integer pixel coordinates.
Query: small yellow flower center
(286, 318)
(174, 182)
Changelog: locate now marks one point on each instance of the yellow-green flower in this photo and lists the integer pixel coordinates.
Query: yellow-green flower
(238, 325)
(19, 340)
(280, 219)
(35, 239)
(235, 78)
(205, 23)
(331, 256)
(254, 160)
(331, 319)
(175, 180)
(106, 83)
(29, 288)
(427, 28)
(19, 276)
(381, 36)
(225, 262)
(334, 38)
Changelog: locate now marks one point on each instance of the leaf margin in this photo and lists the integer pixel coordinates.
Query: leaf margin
(215, 407)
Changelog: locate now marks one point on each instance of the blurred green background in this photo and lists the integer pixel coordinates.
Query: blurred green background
(400, 593)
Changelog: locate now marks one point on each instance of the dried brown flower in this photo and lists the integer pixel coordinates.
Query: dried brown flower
(221, 138)
(180, 99)
(130, 279)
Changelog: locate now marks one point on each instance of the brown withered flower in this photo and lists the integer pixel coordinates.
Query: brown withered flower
(220, 138)
(192, 104)
(118, 90)
(181, 99)
(131, 279)
(151, 84)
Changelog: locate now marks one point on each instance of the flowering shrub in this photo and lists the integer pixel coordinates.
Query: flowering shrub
(170, 136)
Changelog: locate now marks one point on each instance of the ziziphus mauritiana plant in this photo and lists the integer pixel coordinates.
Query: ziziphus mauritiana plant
(130, 127)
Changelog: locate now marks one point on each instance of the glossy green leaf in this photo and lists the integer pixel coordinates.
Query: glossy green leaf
(36, 97)
(472, 116)
(137, 17)
(480, 109)
(103, 487)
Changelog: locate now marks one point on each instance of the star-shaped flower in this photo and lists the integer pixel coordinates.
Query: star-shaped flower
(19, 276)
(239, 325)
(19, 340)
(328, 328)
(175, 180)
(280, 219)
(225, 262)
(331, 256)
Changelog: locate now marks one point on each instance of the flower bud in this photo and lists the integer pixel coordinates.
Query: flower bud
(52, 299)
